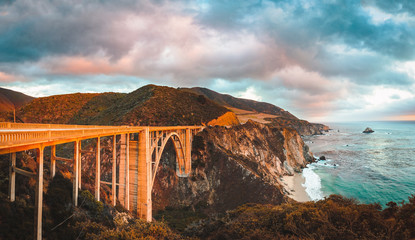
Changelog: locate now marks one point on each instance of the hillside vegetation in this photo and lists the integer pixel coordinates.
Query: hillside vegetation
(335, 217)
(240, 103)
(10, 99)
(149, 105)
(156, 105)
(262, 112)
(56, 109)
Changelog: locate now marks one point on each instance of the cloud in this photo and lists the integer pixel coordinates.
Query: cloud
(314, 58)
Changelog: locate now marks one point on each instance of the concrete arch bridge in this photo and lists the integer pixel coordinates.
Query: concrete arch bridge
(132, 179)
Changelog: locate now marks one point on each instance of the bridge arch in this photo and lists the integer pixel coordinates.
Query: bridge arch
(157, 151)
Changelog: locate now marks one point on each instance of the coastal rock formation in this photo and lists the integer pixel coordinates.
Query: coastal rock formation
(303, 127)
(368, 130)
(232, 166)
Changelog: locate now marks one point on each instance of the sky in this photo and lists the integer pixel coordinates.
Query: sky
(323, 61)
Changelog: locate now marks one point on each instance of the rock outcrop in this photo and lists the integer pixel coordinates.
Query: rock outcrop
(232, 166)
(368, 130)
(303, 127)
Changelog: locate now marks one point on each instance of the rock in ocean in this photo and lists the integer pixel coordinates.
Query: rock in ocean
(368, 130)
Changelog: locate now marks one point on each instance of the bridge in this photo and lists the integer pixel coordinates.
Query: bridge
(140, 149)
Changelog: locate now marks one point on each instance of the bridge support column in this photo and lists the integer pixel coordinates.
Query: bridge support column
(39, 194)
(188, 153)
(98, 169)
(133, 166)
(53, 161)
(124, 178)
(114, 170)
(76, 173)
(80, 165)
(12, 178)
(144, 176)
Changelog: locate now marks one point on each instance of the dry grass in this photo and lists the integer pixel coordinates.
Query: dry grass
(244, 115)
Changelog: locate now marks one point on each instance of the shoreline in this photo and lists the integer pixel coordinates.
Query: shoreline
(293, 185)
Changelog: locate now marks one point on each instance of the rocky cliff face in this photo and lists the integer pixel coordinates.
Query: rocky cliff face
(303, 127)
(232, 166)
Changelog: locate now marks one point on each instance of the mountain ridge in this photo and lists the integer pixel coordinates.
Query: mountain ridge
(10, 99)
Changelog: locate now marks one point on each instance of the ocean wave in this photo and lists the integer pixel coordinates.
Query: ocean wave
(312, 183)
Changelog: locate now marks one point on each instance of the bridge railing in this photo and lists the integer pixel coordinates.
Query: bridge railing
(47, 126)
(19, 134)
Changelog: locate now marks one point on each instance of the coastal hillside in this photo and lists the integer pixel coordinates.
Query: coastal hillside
(263, 112)
(240, 103)
(159, 105)
(148, 105)
(10, 99)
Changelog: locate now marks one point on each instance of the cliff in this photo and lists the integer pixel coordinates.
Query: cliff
(232, 166)
(303, 127)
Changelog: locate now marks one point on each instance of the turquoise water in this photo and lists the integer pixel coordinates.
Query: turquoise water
(376, 167)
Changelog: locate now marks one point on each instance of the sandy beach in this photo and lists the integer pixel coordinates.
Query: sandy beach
(293, 185)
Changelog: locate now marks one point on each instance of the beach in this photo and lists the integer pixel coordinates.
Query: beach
(293, 185)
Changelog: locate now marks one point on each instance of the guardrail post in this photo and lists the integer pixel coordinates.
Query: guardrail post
(12, 178)
(39, 194)
(98, 168)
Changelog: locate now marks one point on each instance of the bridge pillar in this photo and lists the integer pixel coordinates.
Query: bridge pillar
(39, 194)
(114, 170)
(80, 165)
(76, 173)
(12, 178)
(124, 178)
(188, 153)
(53, 161)
(133, 166)
(98, 169)
(144, 176)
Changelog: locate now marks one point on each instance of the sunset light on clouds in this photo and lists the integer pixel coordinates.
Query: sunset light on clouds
(321, 60)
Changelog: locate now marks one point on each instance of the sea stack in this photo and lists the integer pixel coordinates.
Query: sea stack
(368, 130)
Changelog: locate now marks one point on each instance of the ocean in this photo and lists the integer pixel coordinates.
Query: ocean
(376, 167)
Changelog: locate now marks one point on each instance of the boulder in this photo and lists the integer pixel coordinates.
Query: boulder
(368, 130)
(322, 158)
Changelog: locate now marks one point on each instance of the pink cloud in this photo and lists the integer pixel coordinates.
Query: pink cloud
(7, 78)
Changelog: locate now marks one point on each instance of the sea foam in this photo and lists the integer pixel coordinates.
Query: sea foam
(312, 183)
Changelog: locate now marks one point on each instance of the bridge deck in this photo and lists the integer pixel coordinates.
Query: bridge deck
(22, 136)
